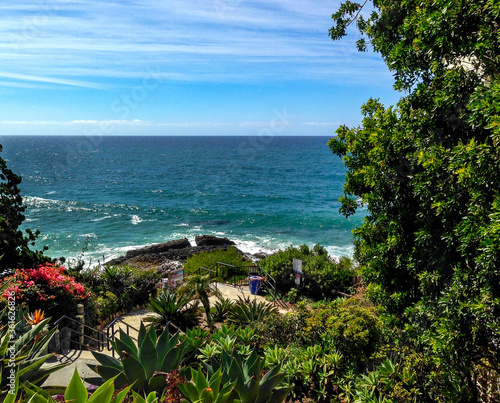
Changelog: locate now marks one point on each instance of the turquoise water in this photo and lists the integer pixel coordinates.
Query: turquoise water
(124, 192)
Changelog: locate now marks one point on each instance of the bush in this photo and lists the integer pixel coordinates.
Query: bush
(347, 325)
(284, 330)
(106, 305)
(323, 277)
(49, 288)
(209, 259)
(133, 286)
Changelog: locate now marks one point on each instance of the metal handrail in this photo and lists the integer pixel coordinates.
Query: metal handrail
(242, 279)
(101, 340)
(273, 284)
(111, 332)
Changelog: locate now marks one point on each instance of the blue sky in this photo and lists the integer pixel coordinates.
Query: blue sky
(174, 67)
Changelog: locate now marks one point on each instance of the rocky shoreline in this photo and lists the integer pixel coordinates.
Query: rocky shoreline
(170, 255)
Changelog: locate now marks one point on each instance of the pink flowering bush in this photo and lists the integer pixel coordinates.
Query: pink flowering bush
(47, 287)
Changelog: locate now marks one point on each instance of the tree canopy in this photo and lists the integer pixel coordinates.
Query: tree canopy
(428, 170)
(14, 244)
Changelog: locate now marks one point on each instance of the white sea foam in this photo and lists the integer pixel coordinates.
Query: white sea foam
(91, 235)
(135, 219)
(105, 217)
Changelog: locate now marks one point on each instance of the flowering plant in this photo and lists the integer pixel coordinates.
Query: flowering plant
(47, 287)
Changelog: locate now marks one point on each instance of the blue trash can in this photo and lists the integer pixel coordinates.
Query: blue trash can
(255, 284)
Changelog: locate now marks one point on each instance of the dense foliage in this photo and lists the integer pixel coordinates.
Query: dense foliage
(15, 249)
(429, 172)
(323, 277)
(209, 259)
(116, 288)
(47, 287)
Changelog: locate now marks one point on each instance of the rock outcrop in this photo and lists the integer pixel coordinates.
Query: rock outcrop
(210, 240)
(159, 248)
(161, 255)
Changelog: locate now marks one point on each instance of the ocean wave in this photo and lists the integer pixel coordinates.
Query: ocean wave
(105, 217)
(35, 203)
(135, 219)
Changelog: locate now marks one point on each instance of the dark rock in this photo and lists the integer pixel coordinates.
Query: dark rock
(159, 248)
(210, 240)
(161, 258)
(116, 261)
(260, 255)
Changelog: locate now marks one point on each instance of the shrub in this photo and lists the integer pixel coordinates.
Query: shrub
(209, 259)
(49, 288)
(323, 277)
(283, 330)
(347, 325)
(106, 305)
(133, 286)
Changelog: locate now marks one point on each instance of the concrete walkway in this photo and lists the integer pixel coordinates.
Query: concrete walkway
(82, 359)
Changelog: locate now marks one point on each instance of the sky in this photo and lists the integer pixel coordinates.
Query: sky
(174, 67)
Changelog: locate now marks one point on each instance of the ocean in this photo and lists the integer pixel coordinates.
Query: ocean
(102, 196)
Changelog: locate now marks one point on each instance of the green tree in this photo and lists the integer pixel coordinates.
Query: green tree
(14, 245)
(428, 171)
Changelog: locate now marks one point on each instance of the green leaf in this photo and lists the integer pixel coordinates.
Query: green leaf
(122, 395)
(107, 361)
(104, 393)
(147, 355)
(76, 392)
(135, 372)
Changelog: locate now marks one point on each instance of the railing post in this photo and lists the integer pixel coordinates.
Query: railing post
(80, 317)
(66, 339)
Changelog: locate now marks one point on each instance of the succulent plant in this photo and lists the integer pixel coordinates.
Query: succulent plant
(78, 393)
(171, 306)
(208, 390)
(246, 311)
(251, 383)
(146, 365)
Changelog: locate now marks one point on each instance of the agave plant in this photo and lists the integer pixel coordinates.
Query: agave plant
(146, 365)
(253, 384)
(247, 310)
(172, 307)
(194, 339)
(222, 307)
(208, 390)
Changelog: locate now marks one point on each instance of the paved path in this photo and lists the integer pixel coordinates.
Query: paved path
(82, 359)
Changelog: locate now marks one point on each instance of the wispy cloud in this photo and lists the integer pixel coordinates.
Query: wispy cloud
(200, 40)
(51, 80)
